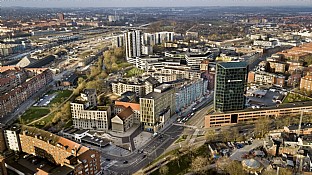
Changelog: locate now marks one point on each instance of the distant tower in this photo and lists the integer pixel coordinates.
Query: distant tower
(230, 86)
(133, 41)
(60, 16)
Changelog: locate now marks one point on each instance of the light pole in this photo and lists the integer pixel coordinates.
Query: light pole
(300, 121)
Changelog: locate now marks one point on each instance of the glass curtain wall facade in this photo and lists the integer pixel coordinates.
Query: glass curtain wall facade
(230, 86)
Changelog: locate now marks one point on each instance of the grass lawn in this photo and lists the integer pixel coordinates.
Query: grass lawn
(61, 96)
(41, 123)
(134, 71)
(34, 113)
(181, 138)
(123, 65)
(291, 97)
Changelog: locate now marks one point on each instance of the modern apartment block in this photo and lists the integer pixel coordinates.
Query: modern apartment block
(140, 87)
(194, 59)
(12, 140)
(306, 83)
(16, 96)
(52, 154)
(133, 43)
(118, 41)
(230, 86)
(190, 92)
(157, 107)
(87, 115)
(157, 38)
(181, 72)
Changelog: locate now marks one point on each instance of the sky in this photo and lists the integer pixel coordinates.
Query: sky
(151, 3)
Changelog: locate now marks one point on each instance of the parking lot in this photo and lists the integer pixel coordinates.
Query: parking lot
(45, 100)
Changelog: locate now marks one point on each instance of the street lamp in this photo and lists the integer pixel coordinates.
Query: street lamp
(300, 121)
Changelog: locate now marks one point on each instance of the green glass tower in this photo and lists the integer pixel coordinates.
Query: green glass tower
(230, 86)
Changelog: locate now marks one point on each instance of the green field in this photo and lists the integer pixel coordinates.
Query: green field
(291, 97)
(133, 72)
(34, 113)
(61, 96)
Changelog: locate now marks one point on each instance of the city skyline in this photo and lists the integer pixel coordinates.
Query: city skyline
(151, 3)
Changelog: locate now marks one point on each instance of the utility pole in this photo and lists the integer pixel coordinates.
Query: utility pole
(300, 122)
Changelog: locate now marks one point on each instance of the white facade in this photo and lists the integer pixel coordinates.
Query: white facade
(194, 60)
(90, 119)
(263, 43)
(189, 93)
(157, 38)
(12, 140)
(118, 41)
(161, 37)
(133, 43)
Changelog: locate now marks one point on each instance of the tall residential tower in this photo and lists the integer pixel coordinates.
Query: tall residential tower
(133, 43)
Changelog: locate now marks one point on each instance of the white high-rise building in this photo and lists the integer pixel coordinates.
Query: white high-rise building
(157, 38)
(133, 43)
(161, 37)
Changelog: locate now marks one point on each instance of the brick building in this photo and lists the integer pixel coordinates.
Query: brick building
(64, 156)
(14, 98)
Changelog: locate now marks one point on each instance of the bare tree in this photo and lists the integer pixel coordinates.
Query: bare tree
(164, 170)
(198, 164)
(262, 126)
(210, 135)
(177, 154)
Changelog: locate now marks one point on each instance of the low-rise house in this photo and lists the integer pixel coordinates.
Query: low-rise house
(123, 121)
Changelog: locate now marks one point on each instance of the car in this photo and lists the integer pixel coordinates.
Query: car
(125, 162)
(144, 156)
(107, 159)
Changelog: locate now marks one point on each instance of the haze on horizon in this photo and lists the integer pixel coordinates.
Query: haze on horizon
(151, 3)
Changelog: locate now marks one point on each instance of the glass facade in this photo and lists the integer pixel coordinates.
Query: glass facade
(230, 86)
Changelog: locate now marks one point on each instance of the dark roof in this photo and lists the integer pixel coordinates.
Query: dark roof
(233, 65)
(72, 78)
(89, 91)
(128, 94)
(152, 80)
(126, 113)
(42, 62)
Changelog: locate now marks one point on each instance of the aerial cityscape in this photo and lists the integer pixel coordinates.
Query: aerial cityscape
(155, 87)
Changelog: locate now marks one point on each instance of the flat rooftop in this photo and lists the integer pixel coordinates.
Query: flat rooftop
(233, 65)
(281, 106)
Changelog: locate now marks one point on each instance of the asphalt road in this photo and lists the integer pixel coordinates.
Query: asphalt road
(151, 151)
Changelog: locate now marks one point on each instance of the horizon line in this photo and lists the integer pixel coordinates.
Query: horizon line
(191, 6)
